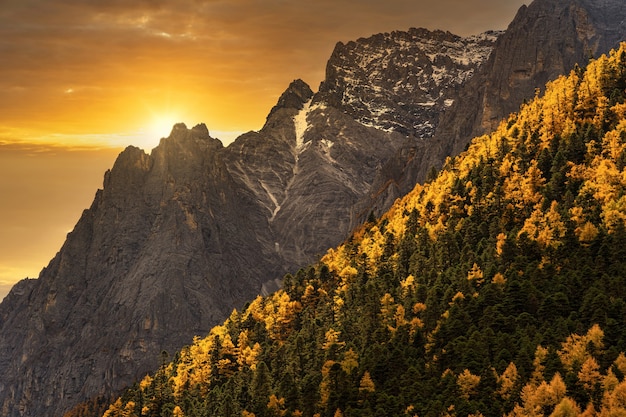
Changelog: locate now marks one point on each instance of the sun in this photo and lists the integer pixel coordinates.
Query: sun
(162, 125)
(156, 127)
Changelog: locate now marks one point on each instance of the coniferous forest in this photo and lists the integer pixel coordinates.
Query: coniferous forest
(496, 289)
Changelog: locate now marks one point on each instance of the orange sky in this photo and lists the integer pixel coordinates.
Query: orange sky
(79, 80)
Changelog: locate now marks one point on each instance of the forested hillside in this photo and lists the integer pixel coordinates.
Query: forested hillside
(497, 288)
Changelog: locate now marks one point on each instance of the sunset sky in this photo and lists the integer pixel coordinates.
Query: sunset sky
(81, 79)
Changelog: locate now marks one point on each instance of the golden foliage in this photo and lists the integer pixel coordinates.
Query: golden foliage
(508, 381)
(476, 275)
(467, 383)
(546, 228)
(276, 406)
(589, 374)
(408, 285)
(587, 233)
(610, 381)
(540, 356)
(332, 338)
(500, 241)
(566, 408)
(620, 363)
(614, 402)
(536, 397)
(350, 361)
(575, 350)
(523, 188)
(177, 412)
(366, 384)
(458, 296)
(498, 279)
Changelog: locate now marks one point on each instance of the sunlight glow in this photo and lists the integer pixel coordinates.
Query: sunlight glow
(160, 126)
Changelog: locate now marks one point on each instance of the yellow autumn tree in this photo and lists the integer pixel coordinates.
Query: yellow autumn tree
(500, 241)
(467, 383)
(476, 275)
(614, 402)
(620, 363)
(536, 398)
(279, 312)
(350, 361)
(589, 374)
(276, 406)
(575, 349)
(366, 385)
(566, 408)
(332, 338)
(178, 412)
(546, 228)
(326, 384)
(541, 354)
(508, 381)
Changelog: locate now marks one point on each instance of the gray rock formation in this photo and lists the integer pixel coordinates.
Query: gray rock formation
(402, 81)
(166, 250)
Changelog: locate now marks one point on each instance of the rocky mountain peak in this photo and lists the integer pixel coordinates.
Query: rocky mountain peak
(294, 97)
(401, 81)
(545, 39)
(185, 148)
(181, 133)
(201, 129)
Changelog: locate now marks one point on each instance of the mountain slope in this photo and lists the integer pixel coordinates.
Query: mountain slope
(545, 40)
(496, 289)
(569, 32)
(176, 239)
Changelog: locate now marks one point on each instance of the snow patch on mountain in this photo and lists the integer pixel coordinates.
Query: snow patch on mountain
(400, 81)
(301, 124)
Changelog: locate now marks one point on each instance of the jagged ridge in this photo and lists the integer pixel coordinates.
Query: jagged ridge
(402, 81)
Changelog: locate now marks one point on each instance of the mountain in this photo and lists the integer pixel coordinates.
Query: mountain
(546, 39)
(569, 32)
(496, 289)
(179, 237)
(403, 81)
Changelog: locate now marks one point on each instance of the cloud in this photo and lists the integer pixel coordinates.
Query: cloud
(226, 60)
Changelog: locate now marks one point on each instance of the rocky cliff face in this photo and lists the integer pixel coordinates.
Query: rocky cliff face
(402, 81)
(153, 262)
(546, 39)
